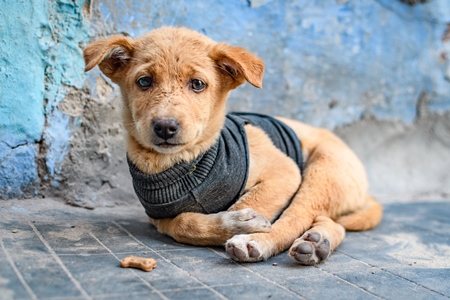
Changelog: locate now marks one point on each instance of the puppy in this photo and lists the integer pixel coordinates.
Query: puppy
(259, 185)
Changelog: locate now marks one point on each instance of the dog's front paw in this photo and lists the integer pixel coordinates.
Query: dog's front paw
(243, 249)
(245, 221)
(311, 248)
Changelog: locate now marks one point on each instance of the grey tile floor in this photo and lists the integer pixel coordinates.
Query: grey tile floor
(49, 250)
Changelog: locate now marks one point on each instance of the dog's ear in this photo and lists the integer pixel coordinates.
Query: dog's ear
(238, 65)
(112, 54)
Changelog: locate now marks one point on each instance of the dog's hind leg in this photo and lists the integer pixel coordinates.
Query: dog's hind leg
(316, 244)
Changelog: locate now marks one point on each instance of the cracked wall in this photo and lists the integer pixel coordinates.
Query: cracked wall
(376, 72)
(40, 62)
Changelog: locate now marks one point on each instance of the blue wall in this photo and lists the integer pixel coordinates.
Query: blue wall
(40, 60)
(328, 62)
(360, 57)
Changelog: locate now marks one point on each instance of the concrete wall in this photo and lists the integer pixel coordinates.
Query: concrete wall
(374, 71)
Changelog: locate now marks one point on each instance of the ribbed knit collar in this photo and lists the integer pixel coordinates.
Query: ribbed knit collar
(188, 174)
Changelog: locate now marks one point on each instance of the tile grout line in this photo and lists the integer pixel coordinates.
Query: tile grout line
(120, 295)
(259, 275)
(395, 275)
(134, 272)
(18, 274)
(350, 283)
(213, 285)
(61, 264)
(168, 261)
(191, 288)
(413, 282)
(119, 253)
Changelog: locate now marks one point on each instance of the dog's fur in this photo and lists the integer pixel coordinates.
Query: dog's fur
(310, 218)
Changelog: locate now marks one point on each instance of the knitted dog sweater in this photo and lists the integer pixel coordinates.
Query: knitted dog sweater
(216, 179)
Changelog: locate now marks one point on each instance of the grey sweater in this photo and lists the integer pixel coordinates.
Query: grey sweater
(216, 179)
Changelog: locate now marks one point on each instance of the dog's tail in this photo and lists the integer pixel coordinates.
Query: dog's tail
(366, 218)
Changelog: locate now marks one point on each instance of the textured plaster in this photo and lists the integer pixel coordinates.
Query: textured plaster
(404, 161)
(376, 72)
(40, 60)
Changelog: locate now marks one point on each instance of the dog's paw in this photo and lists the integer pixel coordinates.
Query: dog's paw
(311, 248)
(245, 221)
(243, 248)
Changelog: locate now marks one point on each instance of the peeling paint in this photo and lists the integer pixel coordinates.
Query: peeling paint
(17, 178)
(40, 59)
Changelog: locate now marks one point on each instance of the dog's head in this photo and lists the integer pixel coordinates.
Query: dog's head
(174, 82)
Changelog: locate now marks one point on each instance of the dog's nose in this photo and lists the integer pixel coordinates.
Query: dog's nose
(166, 128)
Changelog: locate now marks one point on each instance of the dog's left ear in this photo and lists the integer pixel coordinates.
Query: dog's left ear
(238, 65)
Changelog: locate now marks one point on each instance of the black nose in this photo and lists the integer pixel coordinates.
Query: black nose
(166, 128)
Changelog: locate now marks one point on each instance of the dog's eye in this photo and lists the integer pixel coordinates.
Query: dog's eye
(145, 82)
(197, 85)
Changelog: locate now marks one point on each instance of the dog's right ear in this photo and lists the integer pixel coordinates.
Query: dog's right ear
(112, 54)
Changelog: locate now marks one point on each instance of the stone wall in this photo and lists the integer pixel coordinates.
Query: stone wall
(375, 72)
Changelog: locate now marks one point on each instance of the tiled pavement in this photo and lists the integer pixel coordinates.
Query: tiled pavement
(52, 251)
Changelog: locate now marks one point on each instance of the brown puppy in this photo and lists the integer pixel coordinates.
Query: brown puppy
(174, 84)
